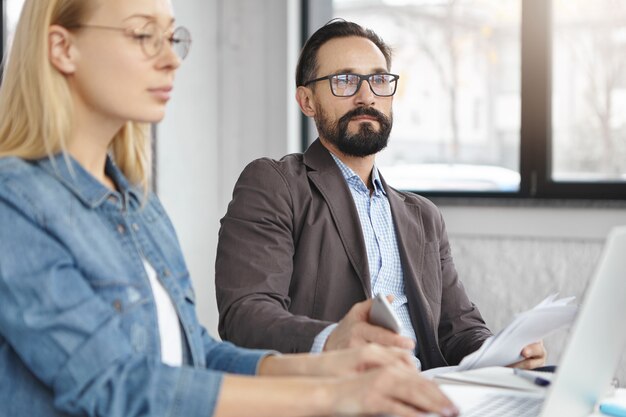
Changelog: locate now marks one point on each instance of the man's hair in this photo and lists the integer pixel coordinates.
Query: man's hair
(336, 28)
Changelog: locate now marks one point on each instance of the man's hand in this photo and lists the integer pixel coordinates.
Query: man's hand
(534, 356)
(355, 360)
(354, 330)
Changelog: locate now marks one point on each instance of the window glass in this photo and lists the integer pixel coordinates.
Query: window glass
(589, 90)
(457, 107)
(12, 9)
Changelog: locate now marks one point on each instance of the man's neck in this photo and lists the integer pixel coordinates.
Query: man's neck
(361, 165)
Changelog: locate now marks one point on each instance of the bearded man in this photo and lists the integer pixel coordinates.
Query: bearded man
(308, 240)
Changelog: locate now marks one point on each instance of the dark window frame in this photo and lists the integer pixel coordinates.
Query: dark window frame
(536, 117)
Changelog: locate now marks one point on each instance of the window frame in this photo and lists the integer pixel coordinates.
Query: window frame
(2, 38)
(536, 117)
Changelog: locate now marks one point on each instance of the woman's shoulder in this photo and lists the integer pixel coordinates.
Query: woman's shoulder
(21, 172)
(13, 168)
(24, 180)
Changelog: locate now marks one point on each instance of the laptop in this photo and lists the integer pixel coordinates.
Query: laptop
(588, 364)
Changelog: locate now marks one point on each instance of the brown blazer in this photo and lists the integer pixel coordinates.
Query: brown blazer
(291, 260)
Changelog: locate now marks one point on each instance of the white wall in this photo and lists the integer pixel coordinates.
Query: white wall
(232, 102)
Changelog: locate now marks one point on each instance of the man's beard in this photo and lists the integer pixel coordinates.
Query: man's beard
(365, 142)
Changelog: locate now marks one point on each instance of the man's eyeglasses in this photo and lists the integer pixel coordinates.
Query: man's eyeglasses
(152, 37)
(347, 85)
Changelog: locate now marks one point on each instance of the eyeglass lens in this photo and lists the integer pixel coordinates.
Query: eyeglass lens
(152, 38)
(347, 84)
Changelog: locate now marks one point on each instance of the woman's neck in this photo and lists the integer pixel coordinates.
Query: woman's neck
(89, 144)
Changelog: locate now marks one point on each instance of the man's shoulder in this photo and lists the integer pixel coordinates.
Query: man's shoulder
(289, 168)
(289, 162)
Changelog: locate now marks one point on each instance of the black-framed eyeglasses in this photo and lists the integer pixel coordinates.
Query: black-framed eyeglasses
(347, 85)
(152, 37)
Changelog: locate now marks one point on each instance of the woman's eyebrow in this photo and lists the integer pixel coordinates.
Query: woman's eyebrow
(148, 17)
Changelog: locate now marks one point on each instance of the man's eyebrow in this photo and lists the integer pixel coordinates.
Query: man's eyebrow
(378, 70)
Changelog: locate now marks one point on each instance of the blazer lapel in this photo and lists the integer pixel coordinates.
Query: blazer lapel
(326, 176)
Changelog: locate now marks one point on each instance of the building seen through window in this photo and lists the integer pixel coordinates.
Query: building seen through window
(589, 90)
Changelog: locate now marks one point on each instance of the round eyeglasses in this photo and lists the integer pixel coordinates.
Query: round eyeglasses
(152, 37)
(347, 85)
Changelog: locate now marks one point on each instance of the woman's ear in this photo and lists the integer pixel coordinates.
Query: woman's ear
(61, 51)
(306, 101)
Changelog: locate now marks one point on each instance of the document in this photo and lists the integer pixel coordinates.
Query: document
(505, 347)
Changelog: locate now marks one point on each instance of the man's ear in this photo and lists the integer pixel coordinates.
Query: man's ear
(305, 99)
(61, 51)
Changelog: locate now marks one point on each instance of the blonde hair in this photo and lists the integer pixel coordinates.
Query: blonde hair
(35, 104)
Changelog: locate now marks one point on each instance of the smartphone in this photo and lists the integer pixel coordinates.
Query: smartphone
(383, 315)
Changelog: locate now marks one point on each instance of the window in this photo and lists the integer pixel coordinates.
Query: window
(514, 98)
(9, 14)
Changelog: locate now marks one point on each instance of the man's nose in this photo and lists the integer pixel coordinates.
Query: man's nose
(364, 96)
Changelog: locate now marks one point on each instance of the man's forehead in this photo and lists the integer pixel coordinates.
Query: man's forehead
(350, 54)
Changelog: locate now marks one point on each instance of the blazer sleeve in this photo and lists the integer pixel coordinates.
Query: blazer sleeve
(254, 265)
(462, 329)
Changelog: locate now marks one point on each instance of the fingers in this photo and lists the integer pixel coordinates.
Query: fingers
(389, 390)
(535, 356)
(351, 333)
(534, 350)
(410, 388)
(373, 355)
(360, 311)
(384, 337)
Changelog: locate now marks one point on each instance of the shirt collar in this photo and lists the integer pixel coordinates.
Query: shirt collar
(353, 179)
(87, 188)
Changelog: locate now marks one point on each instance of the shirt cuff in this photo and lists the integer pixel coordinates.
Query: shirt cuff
(320, 340)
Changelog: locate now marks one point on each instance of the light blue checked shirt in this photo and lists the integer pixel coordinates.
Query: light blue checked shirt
(383, 255)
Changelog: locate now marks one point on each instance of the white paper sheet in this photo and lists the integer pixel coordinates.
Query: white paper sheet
(505, 347)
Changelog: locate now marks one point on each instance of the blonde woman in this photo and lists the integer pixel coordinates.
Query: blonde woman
(97, 313)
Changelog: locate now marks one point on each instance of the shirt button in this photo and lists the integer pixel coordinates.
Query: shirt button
(135, 227)
(166, 272)
(117, 305)
(121, 229)
(112, 199)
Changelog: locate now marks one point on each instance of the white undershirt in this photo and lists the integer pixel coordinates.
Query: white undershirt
(169, 326)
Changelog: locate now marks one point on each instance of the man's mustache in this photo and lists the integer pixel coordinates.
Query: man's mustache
(364, 111)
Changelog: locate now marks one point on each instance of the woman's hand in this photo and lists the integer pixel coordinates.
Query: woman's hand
(396, 390)
(337, 363)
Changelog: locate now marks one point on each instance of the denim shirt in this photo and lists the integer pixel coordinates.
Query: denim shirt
(78, 323)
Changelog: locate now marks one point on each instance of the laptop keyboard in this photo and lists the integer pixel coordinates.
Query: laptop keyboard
(502, 405)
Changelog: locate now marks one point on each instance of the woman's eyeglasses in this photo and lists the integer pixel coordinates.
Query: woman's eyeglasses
(152, 37)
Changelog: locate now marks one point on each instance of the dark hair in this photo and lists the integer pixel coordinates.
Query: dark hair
(336, 28)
